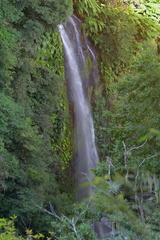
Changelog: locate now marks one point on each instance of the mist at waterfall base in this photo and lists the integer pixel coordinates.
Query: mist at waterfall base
(76, 51)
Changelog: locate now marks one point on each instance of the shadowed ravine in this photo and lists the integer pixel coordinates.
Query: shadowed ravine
(76, 52)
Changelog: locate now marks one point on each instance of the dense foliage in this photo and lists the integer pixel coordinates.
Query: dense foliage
(126, 103)
(35, 128)
(116, 31)
(137, 107)
(33, 110)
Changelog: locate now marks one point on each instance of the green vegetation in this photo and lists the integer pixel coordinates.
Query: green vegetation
(137, 109)
(36, 149)
(33, 111)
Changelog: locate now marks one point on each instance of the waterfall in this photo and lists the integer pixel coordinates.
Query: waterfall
(77, 76)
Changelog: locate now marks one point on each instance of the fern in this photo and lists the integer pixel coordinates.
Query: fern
(87, 7)
(95, 25)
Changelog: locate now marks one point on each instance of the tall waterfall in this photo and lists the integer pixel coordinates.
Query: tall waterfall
(77, 75)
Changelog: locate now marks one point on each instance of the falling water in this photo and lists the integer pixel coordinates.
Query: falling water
(76, 75)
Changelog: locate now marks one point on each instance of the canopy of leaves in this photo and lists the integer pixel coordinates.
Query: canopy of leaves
(32, 96)
(137, 106)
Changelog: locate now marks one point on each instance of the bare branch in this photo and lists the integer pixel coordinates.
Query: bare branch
(109, 160)
(127, 153)
(142, 164)
(73, 223)
(85, 210)
(89, 180)
(64, 219)
(52, 213)
(99, 190)
(134, 147)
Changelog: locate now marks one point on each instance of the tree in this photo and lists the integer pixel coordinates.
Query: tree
(137, 108)
(31, 95)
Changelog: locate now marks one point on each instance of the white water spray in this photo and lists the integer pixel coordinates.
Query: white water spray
(76, 52)
(86, 153)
